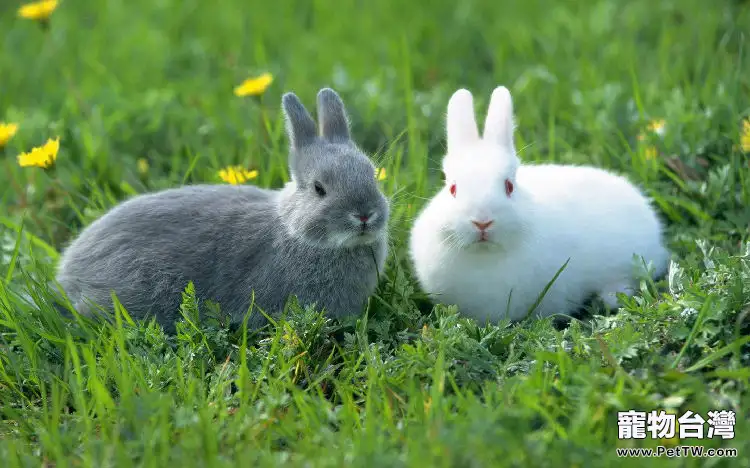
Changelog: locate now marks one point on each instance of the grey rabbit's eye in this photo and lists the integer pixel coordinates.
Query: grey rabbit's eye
(319, 189)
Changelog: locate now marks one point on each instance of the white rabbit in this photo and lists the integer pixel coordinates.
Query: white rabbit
(496, 234)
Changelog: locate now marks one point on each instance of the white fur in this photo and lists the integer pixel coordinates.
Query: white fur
(595, 218)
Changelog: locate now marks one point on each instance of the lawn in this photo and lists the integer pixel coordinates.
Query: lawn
(140, 95)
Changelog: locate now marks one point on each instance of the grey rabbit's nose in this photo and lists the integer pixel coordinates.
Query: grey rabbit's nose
(364, 217)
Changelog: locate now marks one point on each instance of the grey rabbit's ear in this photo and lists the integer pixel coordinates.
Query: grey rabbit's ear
(334, 123)
(300, 127)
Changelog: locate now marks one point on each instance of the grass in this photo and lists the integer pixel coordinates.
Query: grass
(408, 384)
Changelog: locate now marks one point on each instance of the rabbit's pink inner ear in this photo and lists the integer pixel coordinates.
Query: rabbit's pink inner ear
(461, 123)
(498, 125)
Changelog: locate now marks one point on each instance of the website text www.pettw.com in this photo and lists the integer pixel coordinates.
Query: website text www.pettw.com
(678, 451)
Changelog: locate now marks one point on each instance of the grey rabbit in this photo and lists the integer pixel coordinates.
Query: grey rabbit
(323, 237)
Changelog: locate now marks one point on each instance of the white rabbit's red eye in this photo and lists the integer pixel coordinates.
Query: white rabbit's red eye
(453, 189)
(508, 187)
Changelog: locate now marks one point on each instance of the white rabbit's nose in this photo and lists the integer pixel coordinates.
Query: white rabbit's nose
(482, 225)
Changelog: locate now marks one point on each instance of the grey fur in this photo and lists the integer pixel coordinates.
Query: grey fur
(300, 127)
(334, 125)
(231, 240)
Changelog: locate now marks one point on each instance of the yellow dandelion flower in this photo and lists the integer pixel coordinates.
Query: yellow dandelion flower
(650, 152)
(38, 11)
(745, 138)
(40, 156)
(237, 175)
(380, 173)
(254, 86)
(657, 126)
(427, 405)
(7, 131)
(142, 165)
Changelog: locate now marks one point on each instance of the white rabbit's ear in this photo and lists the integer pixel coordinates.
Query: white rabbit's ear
(498, 126)
(461, 123)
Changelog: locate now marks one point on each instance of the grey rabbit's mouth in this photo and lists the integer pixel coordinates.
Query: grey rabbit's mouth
(369, 236)
(362, 237)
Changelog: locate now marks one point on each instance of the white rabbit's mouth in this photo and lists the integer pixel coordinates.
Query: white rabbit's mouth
(477, 240)
(484, 245)
(483, 240)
